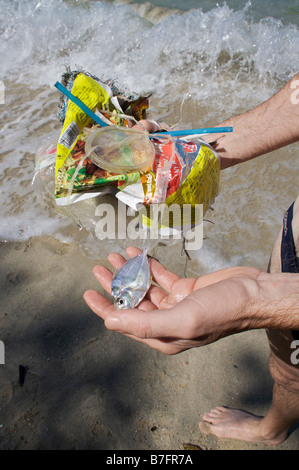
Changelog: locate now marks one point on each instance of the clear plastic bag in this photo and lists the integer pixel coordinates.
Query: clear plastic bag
(120, 150)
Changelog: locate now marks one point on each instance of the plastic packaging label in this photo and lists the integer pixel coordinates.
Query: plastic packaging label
(93, 95)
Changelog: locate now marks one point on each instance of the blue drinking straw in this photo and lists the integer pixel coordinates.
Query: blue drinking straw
(81, 105)
(205, 130)
(98, 120)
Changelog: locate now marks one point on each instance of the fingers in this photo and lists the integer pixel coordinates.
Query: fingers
(145, 124)
(155, 298)
(143, 324)
(159, 329)
(160, 274)
(104, 276)
(161, 323)
(166, 279)
(98, 303)
(155, 295)
(116, 260)
(151, 126)
(103, 308)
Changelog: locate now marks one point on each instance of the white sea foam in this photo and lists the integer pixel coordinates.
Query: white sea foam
(225, 61)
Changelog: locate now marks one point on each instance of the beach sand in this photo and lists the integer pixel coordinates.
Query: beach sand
(85, 387)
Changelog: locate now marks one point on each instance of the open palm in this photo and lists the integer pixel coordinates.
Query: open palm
(177, 313)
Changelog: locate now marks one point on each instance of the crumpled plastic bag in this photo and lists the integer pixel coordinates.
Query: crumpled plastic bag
(183, 171)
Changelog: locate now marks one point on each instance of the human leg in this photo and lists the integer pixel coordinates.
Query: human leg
(284, 410)
(238, 424)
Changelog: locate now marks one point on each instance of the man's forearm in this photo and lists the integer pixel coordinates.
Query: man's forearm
(277, 305)
(267, 127)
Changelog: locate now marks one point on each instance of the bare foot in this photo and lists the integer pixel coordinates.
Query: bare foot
(237, 424)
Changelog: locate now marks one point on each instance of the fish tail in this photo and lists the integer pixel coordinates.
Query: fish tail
(146, 250)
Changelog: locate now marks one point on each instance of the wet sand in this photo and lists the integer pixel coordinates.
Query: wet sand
(83, 387)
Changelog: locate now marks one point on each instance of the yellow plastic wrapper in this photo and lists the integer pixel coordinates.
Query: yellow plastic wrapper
(73, 173)
(191, 171)
(94, 96)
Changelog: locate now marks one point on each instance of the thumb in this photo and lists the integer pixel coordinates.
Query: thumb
(175, 322)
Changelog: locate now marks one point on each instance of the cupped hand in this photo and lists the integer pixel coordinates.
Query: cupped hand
(179, 313)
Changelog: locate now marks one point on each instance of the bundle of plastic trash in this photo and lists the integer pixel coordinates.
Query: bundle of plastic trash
(98, 150)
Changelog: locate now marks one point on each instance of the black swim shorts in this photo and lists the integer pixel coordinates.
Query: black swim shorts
(284, 366)
(289, 259)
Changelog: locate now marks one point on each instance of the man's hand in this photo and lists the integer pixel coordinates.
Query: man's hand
(151, 126)
(178, 313)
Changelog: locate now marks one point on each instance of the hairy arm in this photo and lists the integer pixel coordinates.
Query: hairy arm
(180, 314)
(271, 125)
(278, 301)
(239, 302)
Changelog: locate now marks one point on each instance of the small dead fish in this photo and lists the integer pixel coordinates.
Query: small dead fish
(131, 282)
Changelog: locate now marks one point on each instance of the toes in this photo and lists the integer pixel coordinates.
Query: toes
(204, 427)
(221, 408)
(214, 414)
(209, 417)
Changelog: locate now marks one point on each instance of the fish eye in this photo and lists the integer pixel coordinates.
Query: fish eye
(123, 302)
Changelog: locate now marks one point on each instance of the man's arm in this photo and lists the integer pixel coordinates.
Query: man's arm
(196, 312)
(278, 301)
(267, 127)
(238, 302)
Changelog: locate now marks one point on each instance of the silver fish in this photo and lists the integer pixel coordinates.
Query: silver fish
(131, 282)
